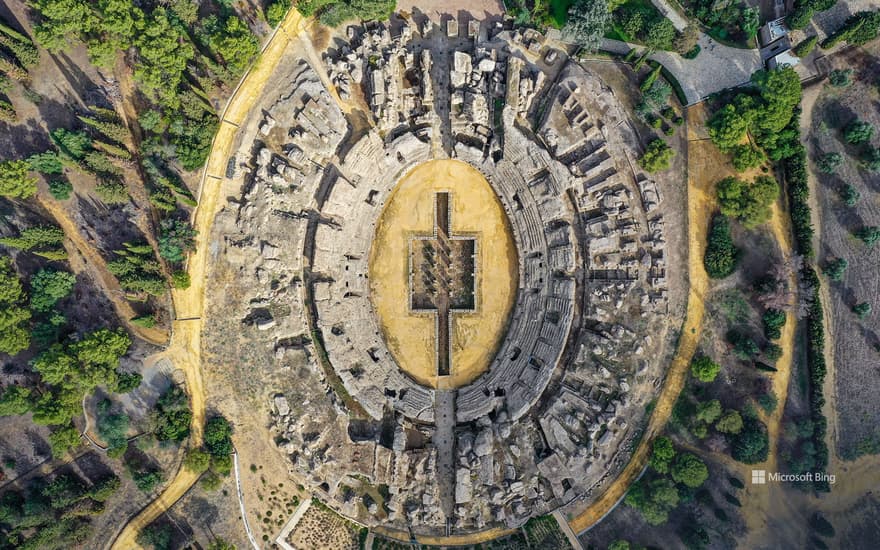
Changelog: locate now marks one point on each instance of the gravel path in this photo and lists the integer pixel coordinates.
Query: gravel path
(716, 68)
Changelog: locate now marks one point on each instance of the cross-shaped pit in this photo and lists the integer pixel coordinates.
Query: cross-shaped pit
(442, 274)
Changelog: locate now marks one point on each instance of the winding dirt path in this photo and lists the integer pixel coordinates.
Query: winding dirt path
(185, 349)
(702, 169)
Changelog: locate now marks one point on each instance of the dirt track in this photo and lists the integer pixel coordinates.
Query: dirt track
(185, 348)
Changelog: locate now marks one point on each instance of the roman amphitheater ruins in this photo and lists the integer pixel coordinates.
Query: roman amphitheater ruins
(448, 227)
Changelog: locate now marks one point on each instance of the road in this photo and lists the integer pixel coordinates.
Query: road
(184, 350)
(716, 68)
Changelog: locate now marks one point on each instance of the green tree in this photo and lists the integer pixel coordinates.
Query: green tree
(15, 182)
(113, 429)
(746, 157)
(704, 368)
(858, 131)
(231, 40)
(774, 320)
(730, 422)
(64, 439)
(750, 445)
(689, 470)
(662, 454)
(661, 34)
(157, 536)
(15, 400)
(657, 156)
(840, 78)
(749, 203)
(48, 286)
(73, 145)
(276, 11)
(834, 269)
(653, 499)
(104, 488)
(197, 460)
(46, 163)
(172, 416)
(146, 480)
(217, 436)
(63, 21)
(721, 255)
(708, 411)
(743, 346)
(587, 22)
(177, 239)
(728, 127)
(14, 317)
(127, 382)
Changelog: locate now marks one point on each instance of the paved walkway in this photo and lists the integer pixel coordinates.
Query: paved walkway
(716, 68)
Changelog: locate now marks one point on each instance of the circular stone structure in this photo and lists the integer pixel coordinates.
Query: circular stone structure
(466, 301)
(443, 273)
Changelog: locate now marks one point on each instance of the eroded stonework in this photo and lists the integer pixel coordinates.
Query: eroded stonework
(553, 417)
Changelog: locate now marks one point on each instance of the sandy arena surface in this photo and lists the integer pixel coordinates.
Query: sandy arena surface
(475, 210)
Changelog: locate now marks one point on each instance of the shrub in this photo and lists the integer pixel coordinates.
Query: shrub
(862, 309)
(834, 269)
(704, 368)
(721, 254)
(145, 321)
(805, 46)
(180, 279)
(821, 525)
(829, 163)
(840, 78)
(868, 234)
(858, 131)
(850, 195)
